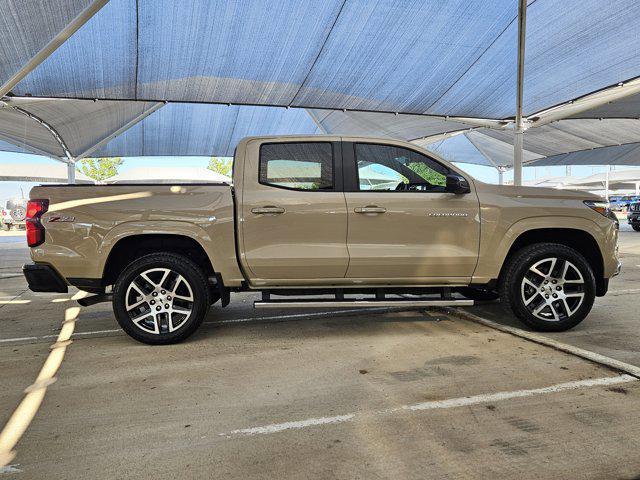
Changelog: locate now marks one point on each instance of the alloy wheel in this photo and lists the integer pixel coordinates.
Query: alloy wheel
(553, 289)
(159, 300)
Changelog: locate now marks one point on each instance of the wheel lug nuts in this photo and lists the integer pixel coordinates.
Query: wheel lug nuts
(555, 295)
(168, 297)
(546, 296)
(166, 306)
(163, 292)
(155, 294)
(158, 308)
(553, 281)
(558, 288)
(152, 302)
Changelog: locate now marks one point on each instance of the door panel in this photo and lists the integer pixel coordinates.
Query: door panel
(414, 237)
(294, 222)
(402, 224)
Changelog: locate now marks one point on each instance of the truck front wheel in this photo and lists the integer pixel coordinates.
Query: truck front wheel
(161, 298)
(550, 287)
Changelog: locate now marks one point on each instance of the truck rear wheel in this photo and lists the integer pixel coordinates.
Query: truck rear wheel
(161, 298)
(636, 227)
(549, 287)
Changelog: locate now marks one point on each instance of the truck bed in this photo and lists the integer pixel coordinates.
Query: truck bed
(84, 222)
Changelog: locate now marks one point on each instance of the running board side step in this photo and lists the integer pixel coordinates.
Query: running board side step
(361, 303)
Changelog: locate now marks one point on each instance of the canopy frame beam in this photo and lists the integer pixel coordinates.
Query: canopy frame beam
(477, 121)
(316, 121)
(585, 103)
(63, 35)
(52, 131)
(70, 161)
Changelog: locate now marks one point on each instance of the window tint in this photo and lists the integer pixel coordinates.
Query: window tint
(389, 168)
(299, 166)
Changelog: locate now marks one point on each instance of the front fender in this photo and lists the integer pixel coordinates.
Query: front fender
(495, 248)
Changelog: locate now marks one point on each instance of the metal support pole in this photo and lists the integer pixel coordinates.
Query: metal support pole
(606, 184)
(71, 172)
(517, 156)
(500, 177)
(568, 171)
(518, 144)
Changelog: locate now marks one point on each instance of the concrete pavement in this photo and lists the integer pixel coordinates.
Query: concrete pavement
(613, 326)
(323, 395)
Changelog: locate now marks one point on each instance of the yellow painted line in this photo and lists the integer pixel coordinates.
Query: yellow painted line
(34, 394)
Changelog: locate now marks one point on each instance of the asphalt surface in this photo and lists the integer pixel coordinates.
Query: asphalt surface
(613, 326)
(287, 394)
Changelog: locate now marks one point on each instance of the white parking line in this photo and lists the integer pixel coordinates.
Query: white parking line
(217, 322)
(550, 342)
(434, 405)
(26, 410)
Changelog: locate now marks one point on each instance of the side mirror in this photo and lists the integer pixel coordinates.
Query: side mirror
(457, 184)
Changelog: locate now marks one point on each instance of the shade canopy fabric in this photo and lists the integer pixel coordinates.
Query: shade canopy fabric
(617, 179)
(610, 141)
(444, 58)
(405, 69)
(53, 173)
(169, 175)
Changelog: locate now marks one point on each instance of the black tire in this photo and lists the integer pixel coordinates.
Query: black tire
(479, 294)
(178, 265)
(520, 263)
(636, 227)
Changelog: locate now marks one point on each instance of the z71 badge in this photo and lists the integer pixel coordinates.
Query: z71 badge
(61, 218)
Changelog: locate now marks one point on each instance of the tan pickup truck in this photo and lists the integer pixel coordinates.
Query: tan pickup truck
(322, 221)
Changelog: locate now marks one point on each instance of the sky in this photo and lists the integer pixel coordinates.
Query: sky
(485, 174)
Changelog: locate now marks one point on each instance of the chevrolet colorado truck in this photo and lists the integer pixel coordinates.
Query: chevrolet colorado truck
(322, 221)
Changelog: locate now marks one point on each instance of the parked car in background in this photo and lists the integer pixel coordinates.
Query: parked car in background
(621, 203)
(14, 214)
(633, 215)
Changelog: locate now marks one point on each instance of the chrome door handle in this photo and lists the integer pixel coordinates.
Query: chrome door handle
(370, 209)
(269, 209)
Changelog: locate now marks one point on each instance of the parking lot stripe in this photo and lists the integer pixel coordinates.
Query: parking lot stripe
(34, 394)
(433, 405)
(612, 363)
(217, 322)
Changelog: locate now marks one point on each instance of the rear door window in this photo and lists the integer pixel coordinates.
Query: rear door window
(297, 165)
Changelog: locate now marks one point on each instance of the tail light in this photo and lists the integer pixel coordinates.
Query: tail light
(35, 229)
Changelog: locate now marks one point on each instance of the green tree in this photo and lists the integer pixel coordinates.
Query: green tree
(220, 165)
(100, 169)
(428, 174)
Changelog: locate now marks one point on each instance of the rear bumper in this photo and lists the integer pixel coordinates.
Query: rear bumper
(43, 278)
